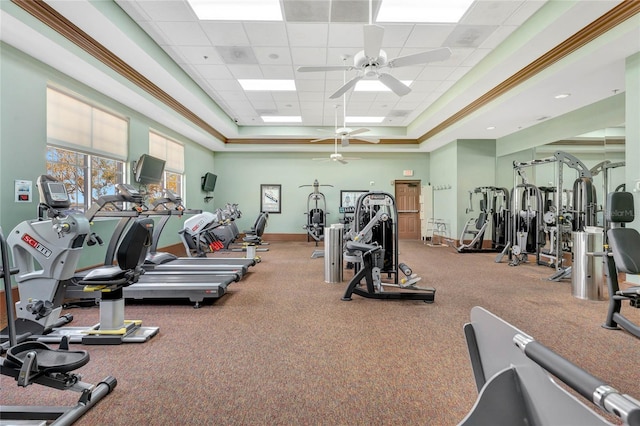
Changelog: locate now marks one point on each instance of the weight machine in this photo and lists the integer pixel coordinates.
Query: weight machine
(494, 213)
(534, 221)
(513, 374)
(372, 247)
(316, 213)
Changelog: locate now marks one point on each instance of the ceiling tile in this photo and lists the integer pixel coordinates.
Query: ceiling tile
(164, 10)
(396, 35)
(183, 34)
(429, 36)
(278, 71)
(346, 35)
(311, 34)
(306, 11)
(273, 55)
(237, 55)
(266, 33)
(213, 71)
(308, 56)
(490, 12)
(199, 54)
(469, 35)
(246, 71)
(225, 33)
(350, 11)
(222, 85)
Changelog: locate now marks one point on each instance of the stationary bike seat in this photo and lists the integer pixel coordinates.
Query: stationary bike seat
(49, 360)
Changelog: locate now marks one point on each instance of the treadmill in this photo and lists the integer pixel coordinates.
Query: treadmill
(195, 287)
(162, 261)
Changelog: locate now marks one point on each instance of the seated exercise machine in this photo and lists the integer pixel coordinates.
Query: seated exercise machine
(373, 251)
(37, 363)
(623, 256)
(55, 246)
(513, 373)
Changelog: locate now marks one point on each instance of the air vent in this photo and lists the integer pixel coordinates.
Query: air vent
(237, 55)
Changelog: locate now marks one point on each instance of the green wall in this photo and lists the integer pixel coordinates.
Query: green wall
(241, 174)
(23, 82)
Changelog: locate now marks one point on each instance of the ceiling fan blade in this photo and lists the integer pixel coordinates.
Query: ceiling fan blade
(345, 141)
(358, 131)
(320, 140)
(366, 139)
(421, 58)
(320, 68)
(349, 84)
(342, 161)
(321, 159)
(396, 86)
(373, 35)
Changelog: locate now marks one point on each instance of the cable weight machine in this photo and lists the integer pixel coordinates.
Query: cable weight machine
(534, 220)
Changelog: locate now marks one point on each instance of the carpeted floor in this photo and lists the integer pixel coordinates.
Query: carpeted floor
(282, 348)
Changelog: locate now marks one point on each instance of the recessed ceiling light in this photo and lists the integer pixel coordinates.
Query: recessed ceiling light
(354, 119)
(422, 11)
(267, 85)
(237, 10)
(375, 86)
(281, 118)
(562, 95)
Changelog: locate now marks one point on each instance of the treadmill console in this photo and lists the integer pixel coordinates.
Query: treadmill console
(130, 193)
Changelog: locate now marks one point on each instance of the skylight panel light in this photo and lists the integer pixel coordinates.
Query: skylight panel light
(375, 86)
(281, 118)
(355, 119)
(237, 10)
(267, 85)
(432, 11)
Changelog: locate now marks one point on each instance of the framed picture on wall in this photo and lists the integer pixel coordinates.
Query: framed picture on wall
(270, 198)
(348, 200)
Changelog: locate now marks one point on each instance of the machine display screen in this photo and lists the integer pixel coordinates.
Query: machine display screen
(57, 191)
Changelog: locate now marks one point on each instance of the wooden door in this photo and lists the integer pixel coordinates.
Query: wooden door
(408, 205)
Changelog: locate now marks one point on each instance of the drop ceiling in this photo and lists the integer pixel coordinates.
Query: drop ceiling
(492, 42)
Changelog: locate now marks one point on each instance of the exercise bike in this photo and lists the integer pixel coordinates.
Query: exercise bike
(37, 363)
(55, 245)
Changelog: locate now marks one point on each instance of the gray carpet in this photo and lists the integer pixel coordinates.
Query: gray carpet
(282, 348)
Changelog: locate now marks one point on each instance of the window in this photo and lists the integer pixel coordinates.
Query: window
(173, 153)
(73, 168)
(86, 147)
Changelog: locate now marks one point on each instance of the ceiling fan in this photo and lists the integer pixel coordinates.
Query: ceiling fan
(370, 61)
(345, 133)
(336, 156)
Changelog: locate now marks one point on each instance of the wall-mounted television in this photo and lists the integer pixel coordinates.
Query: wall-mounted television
(209, 182)
(148, 170)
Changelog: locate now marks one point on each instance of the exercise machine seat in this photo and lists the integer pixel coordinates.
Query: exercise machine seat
(130, 256)
(48, 360)
(625, 247)
(624, 244)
